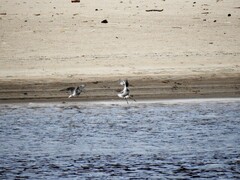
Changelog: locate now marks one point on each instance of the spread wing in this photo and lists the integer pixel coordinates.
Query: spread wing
(69, 89)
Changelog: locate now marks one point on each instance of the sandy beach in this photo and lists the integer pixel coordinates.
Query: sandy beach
(166, 49)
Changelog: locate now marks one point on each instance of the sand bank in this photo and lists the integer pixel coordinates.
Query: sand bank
(167, 49)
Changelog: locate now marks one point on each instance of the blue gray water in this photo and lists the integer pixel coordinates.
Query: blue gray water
(182, 139)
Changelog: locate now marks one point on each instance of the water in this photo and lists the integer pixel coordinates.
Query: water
(156, 140)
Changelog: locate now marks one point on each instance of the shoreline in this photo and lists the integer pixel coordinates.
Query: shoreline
(142, 88)
(123, 102)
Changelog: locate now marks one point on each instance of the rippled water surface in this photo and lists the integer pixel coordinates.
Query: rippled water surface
(157, 140)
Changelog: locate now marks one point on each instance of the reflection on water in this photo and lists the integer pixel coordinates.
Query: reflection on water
(180, 139)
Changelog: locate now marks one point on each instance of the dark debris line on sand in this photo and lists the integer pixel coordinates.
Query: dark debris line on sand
(75, 1)
(154, 10)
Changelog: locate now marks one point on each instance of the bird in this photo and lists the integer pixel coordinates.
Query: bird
(125, 93)
(75, 91)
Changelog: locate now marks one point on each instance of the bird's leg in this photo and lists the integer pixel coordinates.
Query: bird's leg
(126, 100)
(132, 99)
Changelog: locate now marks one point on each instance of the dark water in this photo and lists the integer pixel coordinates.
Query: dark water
(156, 140)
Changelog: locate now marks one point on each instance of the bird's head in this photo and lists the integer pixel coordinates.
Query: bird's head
(124, 82)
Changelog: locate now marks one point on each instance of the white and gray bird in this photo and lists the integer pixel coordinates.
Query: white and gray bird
(125, 93)
(75, 91)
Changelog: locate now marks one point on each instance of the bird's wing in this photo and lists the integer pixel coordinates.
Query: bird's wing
(126, 82)
(70, 89)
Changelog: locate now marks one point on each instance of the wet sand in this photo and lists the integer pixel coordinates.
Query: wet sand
(167, 49)
(107, 89)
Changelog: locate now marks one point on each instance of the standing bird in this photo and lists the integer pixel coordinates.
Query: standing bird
(75, 91)
(125, 93)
